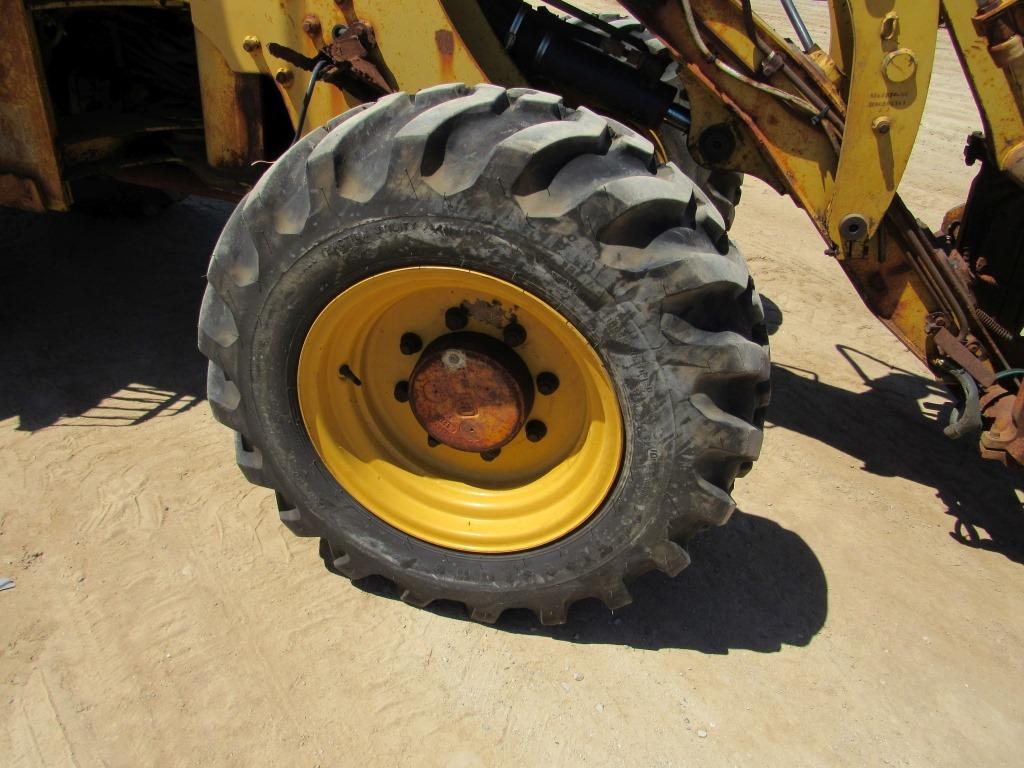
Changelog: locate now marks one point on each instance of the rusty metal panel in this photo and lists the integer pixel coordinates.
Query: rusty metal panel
(232, 109)
(28, 158)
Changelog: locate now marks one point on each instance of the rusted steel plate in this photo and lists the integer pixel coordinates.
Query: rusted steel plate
(27, 150)
(1004, 440)
(470, 392)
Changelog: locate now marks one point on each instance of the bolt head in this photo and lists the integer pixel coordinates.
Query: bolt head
(547, 383)
(284, 77)
(410, 344)
(311, 25)
(453, 360)
(250, 44)
(456, 318)
(536, 430)
(338, 31)
(514, 334)
(881, 125)
(853, 227)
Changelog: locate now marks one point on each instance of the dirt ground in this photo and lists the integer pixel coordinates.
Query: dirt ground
(863, 608)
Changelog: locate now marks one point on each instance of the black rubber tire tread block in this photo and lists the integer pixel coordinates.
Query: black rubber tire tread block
(569, 206)
(721, 187)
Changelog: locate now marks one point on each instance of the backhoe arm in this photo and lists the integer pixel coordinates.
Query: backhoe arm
(835, 131)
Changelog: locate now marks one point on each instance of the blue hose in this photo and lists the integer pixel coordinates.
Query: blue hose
(1010, 373)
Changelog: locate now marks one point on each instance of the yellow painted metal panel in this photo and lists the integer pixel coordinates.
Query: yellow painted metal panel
(997, 91)
(417, 41)
(232, 121)
(892, 58)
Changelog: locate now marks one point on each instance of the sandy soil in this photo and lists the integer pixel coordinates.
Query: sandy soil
(864, 607)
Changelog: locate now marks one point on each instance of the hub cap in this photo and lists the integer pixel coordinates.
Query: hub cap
(470, 392)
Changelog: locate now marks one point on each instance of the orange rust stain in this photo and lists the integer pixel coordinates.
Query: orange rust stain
(445, 41)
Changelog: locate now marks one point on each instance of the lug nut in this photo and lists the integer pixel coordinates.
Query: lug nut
(535, 430)
(432, 442)
(514, 334)
(456, 318)
(547, 383)
(490, 455)
(402, 391)
(410, 344)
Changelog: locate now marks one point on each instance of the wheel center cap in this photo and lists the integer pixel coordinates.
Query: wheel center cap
(470, 392)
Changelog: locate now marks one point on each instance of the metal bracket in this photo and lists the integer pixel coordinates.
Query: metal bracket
(889, 73)
(968, 420)
(350, 56)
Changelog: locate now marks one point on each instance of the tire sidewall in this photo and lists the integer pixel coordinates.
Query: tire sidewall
(624, 334)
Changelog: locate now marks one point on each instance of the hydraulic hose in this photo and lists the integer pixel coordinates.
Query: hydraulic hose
(314, 76)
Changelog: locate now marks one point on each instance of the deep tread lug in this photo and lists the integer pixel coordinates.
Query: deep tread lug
(553, 614)
(669, 558)
(486, 614)
(615, 596)
(216, 321)
(415, 599)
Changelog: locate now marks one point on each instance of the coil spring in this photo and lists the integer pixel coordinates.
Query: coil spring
(993, 325)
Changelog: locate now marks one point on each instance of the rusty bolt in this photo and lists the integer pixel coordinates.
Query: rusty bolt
(402, 391)
(536, 430)
(490, 455)
(547, 383)
(514, 334)
(251, 44)
(456, 318)
(881, 125)
(410, 344)
(284, 77)
(311, 25)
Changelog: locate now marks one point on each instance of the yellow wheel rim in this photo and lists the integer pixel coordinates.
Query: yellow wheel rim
(534, 492)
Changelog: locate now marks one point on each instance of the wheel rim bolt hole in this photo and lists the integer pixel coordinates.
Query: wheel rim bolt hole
(402, 391)
(410, 344)
(536, 430)
(456, 318)
(514, 334)
(490, 455)
(547, 383)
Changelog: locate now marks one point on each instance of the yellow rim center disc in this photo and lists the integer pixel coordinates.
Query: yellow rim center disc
(532, 493)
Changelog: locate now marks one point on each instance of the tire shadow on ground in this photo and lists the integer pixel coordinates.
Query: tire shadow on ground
(883, 429)
(99, 315)
(753, 585)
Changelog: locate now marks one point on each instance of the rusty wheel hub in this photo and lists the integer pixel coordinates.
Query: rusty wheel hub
(470, 392)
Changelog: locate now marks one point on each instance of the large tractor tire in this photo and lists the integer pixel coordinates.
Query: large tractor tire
(484, 347)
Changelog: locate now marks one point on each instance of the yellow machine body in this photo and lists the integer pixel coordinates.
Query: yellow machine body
(832, 129)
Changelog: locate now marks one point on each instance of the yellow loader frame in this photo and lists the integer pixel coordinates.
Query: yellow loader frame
(833, 129)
